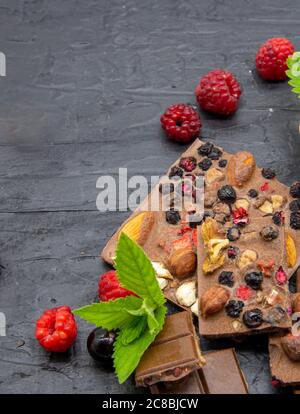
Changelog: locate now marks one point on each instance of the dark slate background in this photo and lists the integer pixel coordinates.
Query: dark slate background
(86, 83)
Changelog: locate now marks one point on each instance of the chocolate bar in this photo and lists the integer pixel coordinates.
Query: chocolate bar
(220, 375)
(250, 280)
(174, 354)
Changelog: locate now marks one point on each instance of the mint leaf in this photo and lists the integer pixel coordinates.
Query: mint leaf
(135, 271)
(113, 314)
(127, 357)
(147, 309)
(133, 330)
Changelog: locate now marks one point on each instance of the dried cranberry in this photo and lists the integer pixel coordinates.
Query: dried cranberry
(234, 308)
(176, 172)
(226, 278)
(205, 148)
(253, 318)
(233, 233)
(252, 193)
(254, 280)
(295, 190)
(269, 233)
(188, 163)
(294, 205)
(205, 164)
(281, 276)
(227, 194)
(295, 220)
(243, 292)
(278, 218)
(268, 173)
(215, 154)
(232, 252)
(264, 187)
(240, 217)
(166, 188)
(222, 163)
(172, 216)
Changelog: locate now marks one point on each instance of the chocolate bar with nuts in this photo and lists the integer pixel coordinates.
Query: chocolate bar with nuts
(220, 375)
(174, 354)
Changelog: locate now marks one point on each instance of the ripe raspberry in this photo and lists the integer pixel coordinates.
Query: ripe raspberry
(181, 122)
(271, 58)
(218, 92)
(56, 329)
(110, 288)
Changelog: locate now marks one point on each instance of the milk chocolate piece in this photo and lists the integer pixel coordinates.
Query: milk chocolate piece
(174, 354)
(220, 375)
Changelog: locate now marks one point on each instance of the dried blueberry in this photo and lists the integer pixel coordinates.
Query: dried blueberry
(233, 233)
(254, 280)
(188, 163)
(253, 318)
(222, 163)
(166, 188)
(269, 233)
(234, 308)
(232, 252)
(215, 154)
(295, 205)
(226, 278)
(295, 220)
(205, 149)
(176, 172)
(252, 193)
(205, 164)
(268, 173)
(172, 216)
(227, 194)
(278, 218)
(295, 190)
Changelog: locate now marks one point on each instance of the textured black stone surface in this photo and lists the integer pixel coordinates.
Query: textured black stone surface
(86, 83)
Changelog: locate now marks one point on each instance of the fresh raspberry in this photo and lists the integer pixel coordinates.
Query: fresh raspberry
(271, 58)
(110, 288)
(181, 122)
(218, 92)
(56, 329)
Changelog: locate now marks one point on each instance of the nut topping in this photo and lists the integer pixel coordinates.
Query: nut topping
(240, 168)
(213, 300)
(183, 262)
(186, 294)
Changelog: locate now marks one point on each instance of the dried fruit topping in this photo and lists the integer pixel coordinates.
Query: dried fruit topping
(281, 276)
(186, 294)
(188, 163)
(247, 258)
(173, 216)
(183, 262)
(139, 227)
(264, 187)
(295, 220)
(233, 233)
(294, 205)
(266, 266)
(226, 278)
(234, 308)
(213, 300)
(273, 297)
(268, 173)
(215, 247)
(278, 218)
(277, 201)
(269, 233)
(253, 318)
(222, 163)
(296, 302)
(252, 193)
(291, 251)
(266, 207)
(209, 229)
(227, 194)
(176, 172)
(291, 346)
(213, 175)
(215, 153)
(275, 315)
(295, 190)
(254, 280)
(205, 164)
(166, 188)
(240, 168)
(243, 292)
(183, 242)
(209, 266)
(242, 202)
(232, 252)
(240, 217)
(205, 148)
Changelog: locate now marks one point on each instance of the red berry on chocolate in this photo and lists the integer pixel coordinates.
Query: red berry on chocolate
(188, 163)
(271, 58)
(240, 216)
(56, 329)
(243, 292)
(218, 92)
(281, 276)
(110, 288)
(264, 187)
(181, 122)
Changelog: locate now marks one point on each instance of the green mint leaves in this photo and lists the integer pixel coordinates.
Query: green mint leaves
(293, 72)
(137, 319)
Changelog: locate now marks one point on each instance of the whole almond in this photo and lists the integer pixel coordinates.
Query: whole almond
(213, 300)
(240, 168)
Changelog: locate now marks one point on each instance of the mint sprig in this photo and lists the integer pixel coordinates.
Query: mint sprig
(137, 319)
(293, 72)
